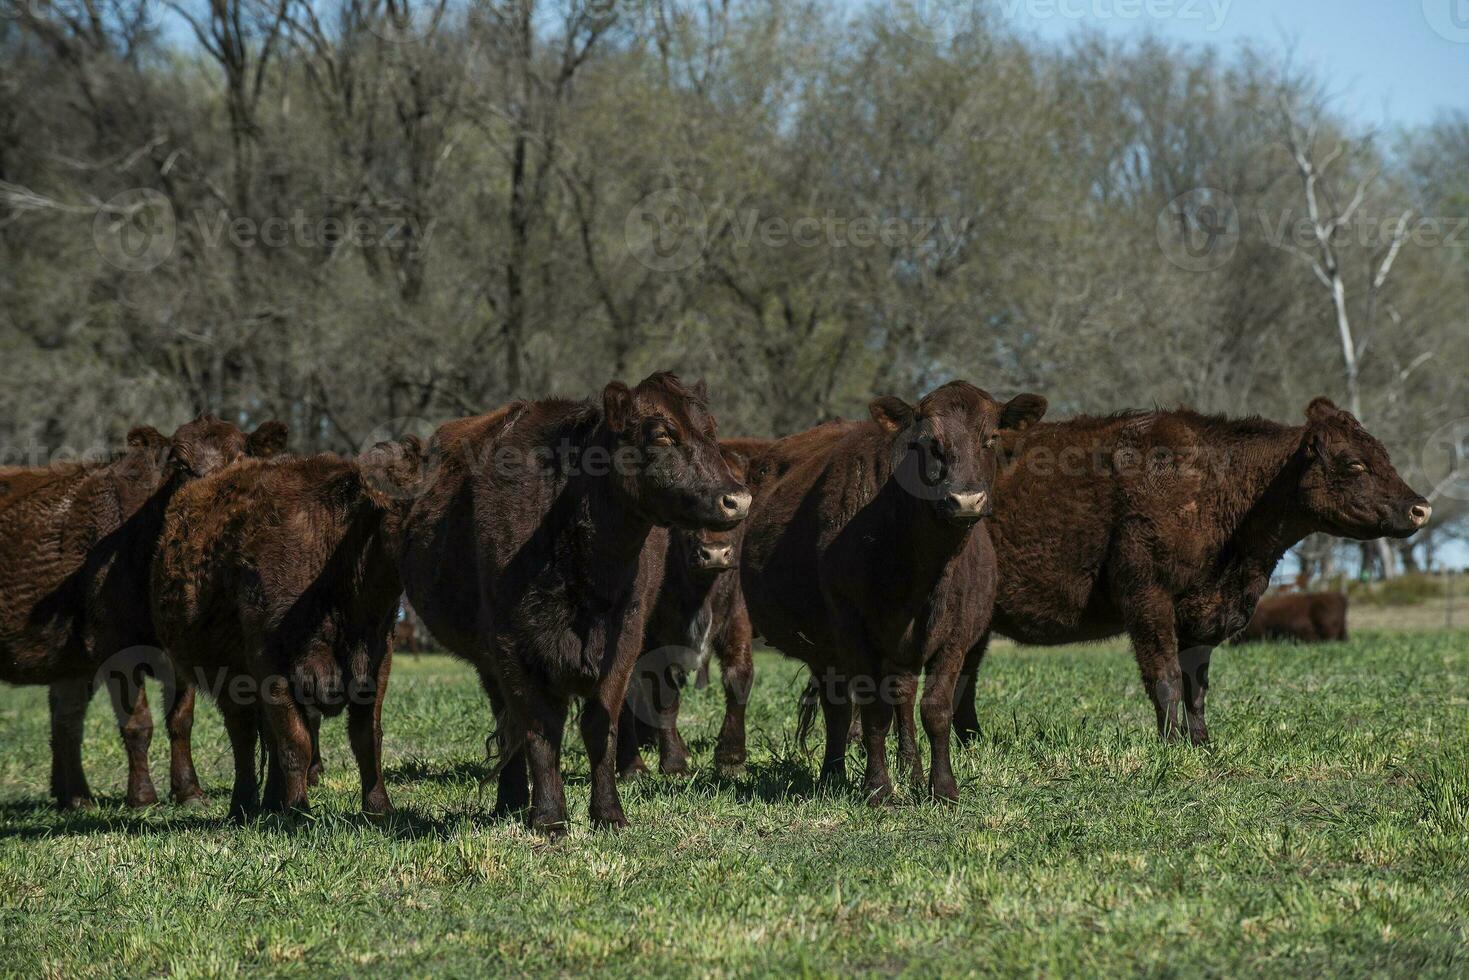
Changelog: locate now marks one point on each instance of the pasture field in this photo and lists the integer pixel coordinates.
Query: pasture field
(1327, 829)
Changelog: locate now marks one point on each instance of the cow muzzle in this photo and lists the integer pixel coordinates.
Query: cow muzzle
(969, 506)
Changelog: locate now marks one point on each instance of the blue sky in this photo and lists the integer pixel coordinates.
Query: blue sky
(1388, 62)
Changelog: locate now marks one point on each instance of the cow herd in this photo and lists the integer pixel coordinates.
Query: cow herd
(598, 552)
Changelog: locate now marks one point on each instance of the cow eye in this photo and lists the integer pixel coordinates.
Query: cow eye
(1357, 467)
(990, 442)
(661, 437)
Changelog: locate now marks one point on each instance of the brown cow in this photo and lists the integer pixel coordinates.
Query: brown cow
(1315, 617)
(865, 558)
(535, 553)
(700, 612)
(75, 542)
(1168, 526)
(275, 587)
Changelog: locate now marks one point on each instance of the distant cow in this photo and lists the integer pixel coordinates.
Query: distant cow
(699, 613)
(1167, 526)
(865, 557)
(75, 543)
(1314, 617)
(275, 588)
(535, 553)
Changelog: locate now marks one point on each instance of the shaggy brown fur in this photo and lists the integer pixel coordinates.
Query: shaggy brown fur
(1316, 617)
(275, 588)
(75, 542)
(865, 558)
(535, 553)
(699, 613)
(1167, 526)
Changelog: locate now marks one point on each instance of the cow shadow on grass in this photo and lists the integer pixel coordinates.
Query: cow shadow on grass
(38, 819)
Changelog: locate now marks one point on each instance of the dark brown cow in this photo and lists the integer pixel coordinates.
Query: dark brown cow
(1315, 617)
(275, 587)
(865, 557)
(699, 613)
(75, 543)
(535, 553)
(1167, 526)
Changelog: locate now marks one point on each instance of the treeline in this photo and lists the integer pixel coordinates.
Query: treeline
(351, 213)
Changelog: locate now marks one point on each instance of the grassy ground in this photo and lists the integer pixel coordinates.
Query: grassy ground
(1326, 829)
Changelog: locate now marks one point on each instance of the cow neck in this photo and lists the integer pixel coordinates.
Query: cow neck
(1264, 521)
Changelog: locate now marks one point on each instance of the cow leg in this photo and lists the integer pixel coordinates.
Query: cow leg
(599, 732)
(365, 731)
(290, 739)
(512, 790)
(836, 712)
(1194, 664)
(68, 702)
(545, 726)
(877, 718)
(938, 721)
(1148, 614)
(906, 689)
(966, 717)
(629, 750)
(135, 723)
(243, 726)
(737, 672)
(183, 780)
(673, 754)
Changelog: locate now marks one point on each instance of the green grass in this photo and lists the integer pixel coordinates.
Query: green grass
(1327, 829)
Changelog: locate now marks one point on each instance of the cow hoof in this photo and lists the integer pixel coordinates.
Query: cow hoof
(674, 767)
(633, 772)
(313, 776)
(75, 803)
(945, 792)
(195, 801)
(552, 830)
(142, 801)
(732, 770)
(880, 795)
(615, 822)
(383, 815)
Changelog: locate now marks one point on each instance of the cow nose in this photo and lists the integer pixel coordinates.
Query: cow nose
(734, 506)
(967, 504)
(715, 555)
(1419, 514)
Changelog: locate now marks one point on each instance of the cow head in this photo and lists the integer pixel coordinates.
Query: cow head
(667, 463)
(945, 447)
(1349, 485)
(207, 444)
(707, 552)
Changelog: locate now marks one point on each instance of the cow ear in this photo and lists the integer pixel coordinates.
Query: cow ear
(1022, 411)
(1322, 409)
(892, 413)
(267, 440)
(146, 437)
(738, 463)
(617, 406)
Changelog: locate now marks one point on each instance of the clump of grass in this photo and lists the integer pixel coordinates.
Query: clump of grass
(1443, 789)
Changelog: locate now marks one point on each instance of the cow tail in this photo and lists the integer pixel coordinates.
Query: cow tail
(262, 749)
(806, 714)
